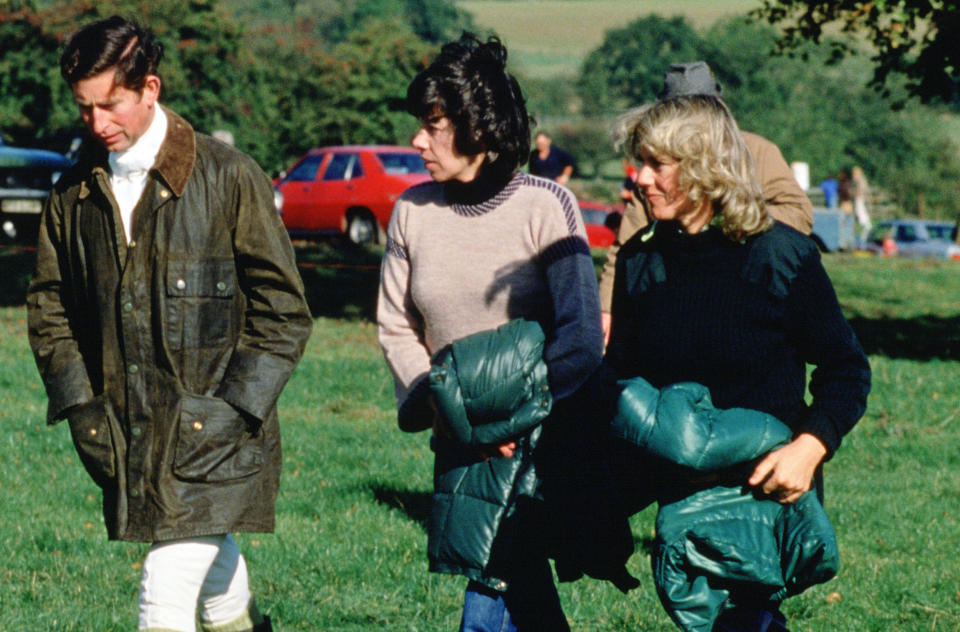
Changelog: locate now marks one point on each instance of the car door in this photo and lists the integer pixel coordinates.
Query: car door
(299, 189)
(336, 190)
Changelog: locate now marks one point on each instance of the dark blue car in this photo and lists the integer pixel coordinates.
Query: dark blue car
(26, 177)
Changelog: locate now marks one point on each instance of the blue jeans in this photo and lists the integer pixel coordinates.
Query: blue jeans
(530, 604)
(747, 619)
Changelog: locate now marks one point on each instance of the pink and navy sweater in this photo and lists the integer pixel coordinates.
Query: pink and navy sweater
(467, 258)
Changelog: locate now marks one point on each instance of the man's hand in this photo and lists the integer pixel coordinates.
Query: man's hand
(787, 474)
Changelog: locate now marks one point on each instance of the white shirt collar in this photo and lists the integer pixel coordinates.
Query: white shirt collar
(137, 159)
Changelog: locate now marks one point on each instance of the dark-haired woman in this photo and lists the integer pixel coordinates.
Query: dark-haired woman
(715, 292)
(479, 246)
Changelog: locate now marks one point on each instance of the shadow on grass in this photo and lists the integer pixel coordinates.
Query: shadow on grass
(644, 544)
(919, 338)
(16, 268)
(416, 504)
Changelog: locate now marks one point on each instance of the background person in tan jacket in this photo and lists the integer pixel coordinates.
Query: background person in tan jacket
(784, 198)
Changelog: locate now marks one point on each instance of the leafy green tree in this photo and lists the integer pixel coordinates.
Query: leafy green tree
(913, 38)
(354, 94)
(333, 21)
(33, 97)
(627, 68)
(275, 88)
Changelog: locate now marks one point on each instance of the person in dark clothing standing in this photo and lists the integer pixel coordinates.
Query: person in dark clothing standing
(715, 292)
(549, 161)
(166, 314)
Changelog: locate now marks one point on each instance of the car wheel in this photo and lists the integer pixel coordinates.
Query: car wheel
(362, 229)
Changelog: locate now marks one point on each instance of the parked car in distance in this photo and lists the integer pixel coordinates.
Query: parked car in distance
(346, 189)
(915, 238)
(26, 177)
(601, 221)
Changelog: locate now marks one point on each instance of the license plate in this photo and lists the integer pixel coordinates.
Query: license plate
(21, 206)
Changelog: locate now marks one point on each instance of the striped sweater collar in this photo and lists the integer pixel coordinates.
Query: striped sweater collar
(491, 201)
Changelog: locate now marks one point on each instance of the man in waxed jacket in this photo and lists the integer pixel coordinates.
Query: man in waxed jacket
(166, 314)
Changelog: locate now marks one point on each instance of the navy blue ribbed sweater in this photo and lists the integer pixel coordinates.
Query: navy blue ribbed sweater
(742, 319)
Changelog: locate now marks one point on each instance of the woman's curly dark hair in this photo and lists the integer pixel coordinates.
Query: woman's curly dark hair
(468, 83)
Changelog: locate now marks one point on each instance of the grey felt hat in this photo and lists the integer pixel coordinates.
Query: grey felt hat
(693, 77)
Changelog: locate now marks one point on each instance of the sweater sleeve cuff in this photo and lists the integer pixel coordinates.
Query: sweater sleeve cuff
(821, 427)
(415, 413)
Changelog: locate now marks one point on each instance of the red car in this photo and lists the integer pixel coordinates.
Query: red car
(601, 222)
(347, 189)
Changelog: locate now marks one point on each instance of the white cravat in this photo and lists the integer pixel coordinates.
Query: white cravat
(129, 168)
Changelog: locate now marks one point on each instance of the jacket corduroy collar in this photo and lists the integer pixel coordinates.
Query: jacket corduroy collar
(174, 162)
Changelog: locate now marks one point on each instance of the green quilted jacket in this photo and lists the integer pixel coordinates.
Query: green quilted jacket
(717, 544)
(490, 388)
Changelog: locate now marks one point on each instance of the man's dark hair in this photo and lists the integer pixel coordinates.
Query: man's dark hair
(113, 43)
(468, 83)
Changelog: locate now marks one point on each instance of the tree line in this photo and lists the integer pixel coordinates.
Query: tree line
(287, 75)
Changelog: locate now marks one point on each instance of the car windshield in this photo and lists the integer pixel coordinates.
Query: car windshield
(306, 169)
(400, 164)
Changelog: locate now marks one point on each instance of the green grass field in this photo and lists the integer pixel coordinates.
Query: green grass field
(549, 38)
(349, 552)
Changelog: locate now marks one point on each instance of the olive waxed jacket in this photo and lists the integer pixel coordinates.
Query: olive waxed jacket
(167, 354)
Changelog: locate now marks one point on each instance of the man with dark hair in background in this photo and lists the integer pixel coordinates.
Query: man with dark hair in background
(166, 314)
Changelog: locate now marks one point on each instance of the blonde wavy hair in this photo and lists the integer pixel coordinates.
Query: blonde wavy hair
(701, 136)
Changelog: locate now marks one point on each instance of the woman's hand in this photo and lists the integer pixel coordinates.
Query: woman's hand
(787, 474)
(440, 428)
(506, 450)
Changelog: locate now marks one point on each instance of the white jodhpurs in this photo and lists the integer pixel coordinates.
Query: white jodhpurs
(205, 574)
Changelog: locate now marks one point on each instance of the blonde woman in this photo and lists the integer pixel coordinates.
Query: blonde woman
(714, 291)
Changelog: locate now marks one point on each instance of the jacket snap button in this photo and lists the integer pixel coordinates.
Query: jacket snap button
(133, 368)
(164, 194)
(221, 286)
(136, 432)
(198, 425)
(134, 493)
(545, 388)
(128, 307)
(544, 403)
(93, 432)
(181, 284)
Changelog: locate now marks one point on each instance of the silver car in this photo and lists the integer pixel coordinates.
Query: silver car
(916, 238)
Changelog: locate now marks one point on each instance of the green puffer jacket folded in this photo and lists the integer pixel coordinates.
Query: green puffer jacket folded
(490, 387)
(719, 545)
(555, 493)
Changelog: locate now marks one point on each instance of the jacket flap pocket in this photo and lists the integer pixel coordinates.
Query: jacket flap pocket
(214, 443)
(207, 277)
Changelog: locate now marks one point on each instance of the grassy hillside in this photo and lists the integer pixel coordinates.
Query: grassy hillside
(547, 38)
